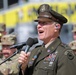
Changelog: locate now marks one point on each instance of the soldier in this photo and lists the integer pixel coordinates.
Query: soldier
(10, 67)
(2, 29)
(54, 57)
(74, 32)
(2, 32)
(73, 46)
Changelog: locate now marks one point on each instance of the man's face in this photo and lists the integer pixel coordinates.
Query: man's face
(74, 35)
(3, 32)
(46, 30)
(7, 51)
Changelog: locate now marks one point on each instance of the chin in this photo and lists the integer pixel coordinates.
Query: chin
(6, 56)
(41, 38)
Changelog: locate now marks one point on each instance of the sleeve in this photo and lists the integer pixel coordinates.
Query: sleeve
(23, 72)
(67, 64)
(20, 72)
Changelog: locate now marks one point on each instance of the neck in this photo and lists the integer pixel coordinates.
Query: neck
(49, 40)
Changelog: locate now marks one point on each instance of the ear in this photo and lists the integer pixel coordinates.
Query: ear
(57, 26)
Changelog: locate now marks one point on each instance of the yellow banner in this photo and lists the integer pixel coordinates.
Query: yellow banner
(28, 13)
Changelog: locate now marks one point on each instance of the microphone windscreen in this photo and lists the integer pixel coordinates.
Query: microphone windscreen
(35, 40)
(31, 41)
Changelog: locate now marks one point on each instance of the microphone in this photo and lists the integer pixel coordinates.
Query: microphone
(29, 42)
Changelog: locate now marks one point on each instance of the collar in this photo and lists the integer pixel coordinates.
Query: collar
(48, 44)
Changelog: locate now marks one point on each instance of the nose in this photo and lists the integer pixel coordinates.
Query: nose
(39, 26)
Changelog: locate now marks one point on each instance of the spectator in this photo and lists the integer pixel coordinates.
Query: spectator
(10, 67)
(74, 32)
(73, 46)
(2, 32)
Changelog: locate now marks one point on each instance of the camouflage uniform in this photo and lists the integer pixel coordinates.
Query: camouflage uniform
(10, 67)
(2, 32)
(73, 46)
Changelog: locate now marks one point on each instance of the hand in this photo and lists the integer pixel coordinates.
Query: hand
(23, 59)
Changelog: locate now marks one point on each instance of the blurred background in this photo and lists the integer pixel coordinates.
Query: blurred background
(19, 16)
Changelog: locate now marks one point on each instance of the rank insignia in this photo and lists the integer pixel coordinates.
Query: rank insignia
(69, 54)
(43, 8)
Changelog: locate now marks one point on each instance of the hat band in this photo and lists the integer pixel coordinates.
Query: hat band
(47, 16)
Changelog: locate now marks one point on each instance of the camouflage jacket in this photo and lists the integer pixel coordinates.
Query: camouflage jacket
(10, 67)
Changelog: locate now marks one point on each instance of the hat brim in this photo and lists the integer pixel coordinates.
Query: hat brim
(42, 19)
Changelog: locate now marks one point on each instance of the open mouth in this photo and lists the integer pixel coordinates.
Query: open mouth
(5, 53)
(40, 32)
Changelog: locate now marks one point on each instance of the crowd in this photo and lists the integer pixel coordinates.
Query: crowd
(10, 67)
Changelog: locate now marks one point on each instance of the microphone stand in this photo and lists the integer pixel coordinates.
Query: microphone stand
(18, 50)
